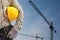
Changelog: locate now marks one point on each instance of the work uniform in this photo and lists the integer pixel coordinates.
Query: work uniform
(4, 22)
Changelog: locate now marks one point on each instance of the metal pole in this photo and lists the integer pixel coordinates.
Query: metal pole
(37, 36)
(51, 35)
(51, 32)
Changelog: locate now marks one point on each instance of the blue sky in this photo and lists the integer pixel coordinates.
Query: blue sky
(35, 24)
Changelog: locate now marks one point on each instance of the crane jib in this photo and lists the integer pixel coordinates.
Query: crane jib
(35, 7)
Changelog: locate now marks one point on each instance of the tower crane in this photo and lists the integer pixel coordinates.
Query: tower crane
(32, 36)
(50, 24)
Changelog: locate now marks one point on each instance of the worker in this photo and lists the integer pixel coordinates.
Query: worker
(7, 30)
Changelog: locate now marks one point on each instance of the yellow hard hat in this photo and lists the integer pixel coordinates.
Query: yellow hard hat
(12, 13)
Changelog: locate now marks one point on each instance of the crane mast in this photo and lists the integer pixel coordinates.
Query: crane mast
(50, 24)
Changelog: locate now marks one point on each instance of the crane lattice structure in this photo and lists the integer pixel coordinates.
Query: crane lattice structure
(32, 36)
(50, 24)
